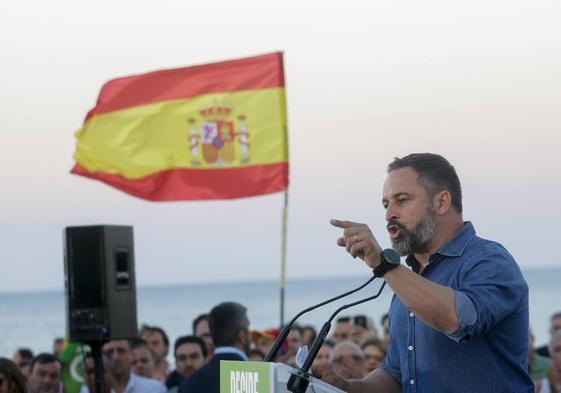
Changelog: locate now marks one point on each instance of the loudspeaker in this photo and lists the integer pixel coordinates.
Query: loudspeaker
(100, 283)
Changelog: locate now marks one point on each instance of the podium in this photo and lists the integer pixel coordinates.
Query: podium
(261, 377)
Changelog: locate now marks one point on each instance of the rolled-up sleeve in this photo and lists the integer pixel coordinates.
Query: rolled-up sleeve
(488, 292)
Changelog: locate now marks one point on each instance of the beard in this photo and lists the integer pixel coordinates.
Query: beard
(418, 239)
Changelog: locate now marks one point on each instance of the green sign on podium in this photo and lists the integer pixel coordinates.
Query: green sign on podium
(245, 377)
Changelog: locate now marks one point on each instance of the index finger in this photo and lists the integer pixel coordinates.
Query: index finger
(342, 224)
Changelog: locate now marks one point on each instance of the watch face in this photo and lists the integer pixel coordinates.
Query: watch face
(391, 256)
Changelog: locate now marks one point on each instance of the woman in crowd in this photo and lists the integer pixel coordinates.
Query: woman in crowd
(11, 379)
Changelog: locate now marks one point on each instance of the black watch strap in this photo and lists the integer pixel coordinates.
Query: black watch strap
(390, 260)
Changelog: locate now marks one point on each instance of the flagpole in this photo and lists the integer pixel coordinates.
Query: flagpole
(284, 228)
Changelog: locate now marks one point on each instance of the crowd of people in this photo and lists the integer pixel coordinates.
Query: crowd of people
(354, 349)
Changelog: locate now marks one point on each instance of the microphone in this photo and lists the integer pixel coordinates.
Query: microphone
(299, 381)
(286, 329)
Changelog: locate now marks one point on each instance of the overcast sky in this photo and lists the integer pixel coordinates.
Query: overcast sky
(476, 81)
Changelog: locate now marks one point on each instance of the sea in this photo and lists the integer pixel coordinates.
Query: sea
(34, 319)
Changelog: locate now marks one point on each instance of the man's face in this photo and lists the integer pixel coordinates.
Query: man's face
(373, 357)
(264, 344)
(322, 358)
(156, 344)
(142, 362)
(202, 331)
(348, 363)
(357, 332)
(342, 331)
(555, 325)
(294, 340)
(45, 378)
(188, 358)
(119, 355)
(409, 212)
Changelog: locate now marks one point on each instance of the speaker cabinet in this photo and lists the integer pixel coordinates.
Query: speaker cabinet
(100, 282)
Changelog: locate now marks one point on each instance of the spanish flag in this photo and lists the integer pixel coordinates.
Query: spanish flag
(214, 131)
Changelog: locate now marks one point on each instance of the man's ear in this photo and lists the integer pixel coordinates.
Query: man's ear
(242, 336)
(442, 202)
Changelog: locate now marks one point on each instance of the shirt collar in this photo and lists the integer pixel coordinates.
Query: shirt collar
(452, 248)
(130, 385)
(457, 244)
(237, 351)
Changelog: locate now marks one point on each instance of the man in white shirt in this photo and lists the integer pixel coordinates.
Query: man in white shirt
(123, 380)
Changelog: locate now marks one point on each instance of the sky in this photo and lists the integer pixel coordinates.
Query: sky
(476, 81)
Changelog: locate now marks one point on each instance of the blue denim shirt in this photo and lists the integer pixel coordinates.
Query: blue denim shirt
(489, 350)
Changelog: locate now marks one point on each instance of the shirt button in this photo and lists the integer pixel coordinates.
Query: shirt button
(411, 381)
(410, 347)
(411, 315)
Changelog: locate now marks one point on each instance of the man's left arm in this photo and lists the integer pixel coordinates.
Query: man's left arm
(489, 291)
(432, 303)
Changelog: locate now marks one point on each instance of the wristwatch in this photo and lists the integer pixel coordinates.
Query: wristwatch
(390, 260)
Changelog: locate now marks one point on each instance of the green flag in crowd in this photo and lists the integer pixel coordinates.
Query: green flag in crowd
(73, 366)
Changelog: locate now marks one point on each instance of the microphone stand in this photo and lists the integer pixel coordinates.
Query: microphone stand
(299, 381)
(286, 329)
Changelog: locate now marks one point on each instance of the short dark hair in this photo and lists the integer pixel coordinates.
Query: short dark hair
(225, 321)
(555, 316)
(190, 340)
(434, 173)
(16, 381)
(344, 319)
(26, 354)
(44, 358)
(137, 342)
(202, 317)
(329, 343)
(155, 329)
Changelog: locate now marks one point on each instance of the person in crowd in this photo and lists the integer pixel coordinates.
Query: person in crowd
(361, 325)
(309, 334)
(44, 374)
(142, 359)
(385, 322)
(190, 354)
(256, 355)
(342, 331)
(555, 325)
(374, 351)
(294, 340)
(263, 340)
(552, 383)
(229, 328)
(537, 364)
(200, 329)
(322, 358)
(347, 360)
(89, 375)
(58, 346)
(11, 378)
(22, 358)
(463, 298)
(118, 353)
(158, 342)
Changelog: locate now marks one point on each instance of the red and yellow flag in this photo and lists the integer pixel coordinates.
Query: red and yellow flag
(214, 131)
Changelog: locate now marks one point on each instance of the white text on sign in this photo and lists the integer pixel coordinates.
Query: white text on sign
(243, 382)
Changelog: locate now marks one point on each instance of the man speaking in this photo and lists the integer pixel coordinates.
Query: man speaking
(459, 316)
